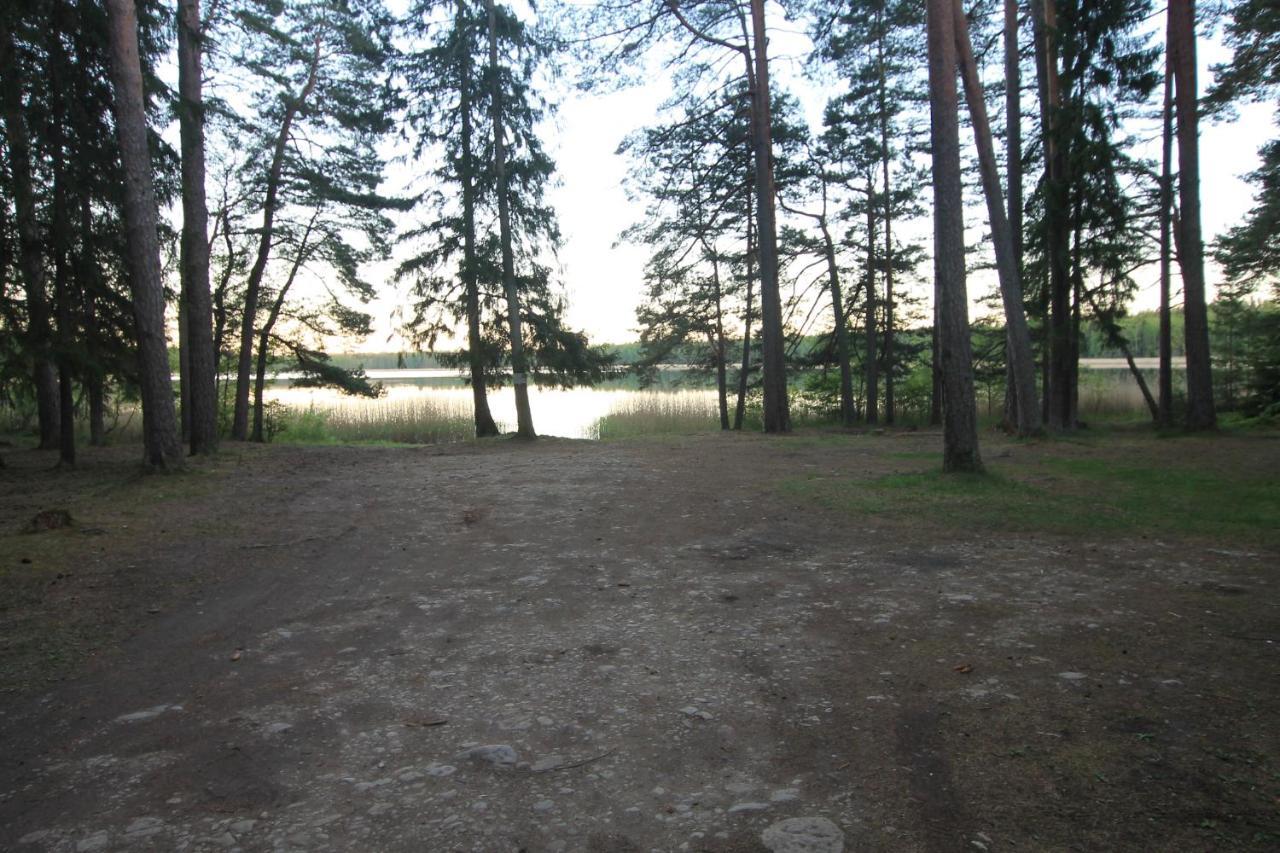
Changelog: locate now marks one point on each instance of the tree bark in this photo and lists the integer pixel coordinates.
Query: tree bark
(872, 366)
(740, 410)
(1164, 379)
(30, 251)
(1013, 169)
(1182, 32)
(717, 343)
(1020, 358)
(161, 447)
(888, 222)
(253, 287)
(485, 425)
(777, 415)
(1058, 394)
(519, 367)
(848, 413)
(199, 384)
(960, 417)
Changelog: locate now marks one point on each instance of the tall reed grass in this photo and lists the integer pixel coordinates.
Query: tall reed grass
(660, 413)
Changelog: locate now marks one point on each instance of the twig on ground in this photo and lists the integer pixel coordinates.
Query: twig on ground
(574, 764)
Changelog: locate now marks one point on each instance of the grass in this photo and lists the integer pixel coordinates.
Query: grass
(420, 420)
(660, 413)
(1128, 491)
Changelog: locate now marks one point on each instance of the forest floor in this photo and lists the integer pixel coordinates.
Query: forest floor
(666, 644)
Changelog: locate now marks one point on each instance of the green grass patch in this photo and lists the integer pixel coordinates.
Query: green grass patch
(1066, 496)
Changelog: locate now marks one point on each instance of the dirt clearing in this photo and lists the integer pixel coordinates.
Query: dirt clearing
(668, 645)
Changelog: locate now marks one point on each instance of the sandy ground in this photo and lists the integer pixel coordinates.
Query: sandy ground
(568, 646)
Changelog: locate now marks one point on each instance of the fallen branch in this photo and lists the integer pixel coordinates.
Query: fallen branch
(574, 764)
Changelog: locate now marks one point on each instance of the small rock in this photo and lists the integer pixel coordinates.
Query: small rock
(148, 714)
(784, 795)
(693, 711)
(497, 755)
(240, 827)
(803, 835)
(143, 827)
(1072, 676)
(543, 806)
(439, 770)
(34, 837)
(748, 807)
(98, 841)
(278, 728)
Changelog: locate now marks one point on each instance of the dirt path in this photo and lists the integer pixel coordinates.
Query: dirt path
(660, 650)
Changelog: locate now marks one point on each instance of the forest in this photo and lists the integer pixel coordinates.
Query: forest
(853, 544)
(252, 239)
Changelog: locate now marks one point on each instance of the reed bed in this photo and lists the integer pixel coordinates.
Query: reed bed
(422, 420)
(660, 413)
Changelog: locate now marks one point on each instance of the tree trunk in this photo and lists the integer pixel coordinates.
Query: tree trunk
(1058, 393)
(848, 414)
(722, 389)
(777, 415)
(1013, 169)
(1021, 361)
(740, 410)
(253, 287)
(1164, 416)
(1182, 32)
(888, 222)
(935, 352)
(159, 425)
(519, 367)
(30, 249)
(872, 365)
(264, 334)
(199, 383)
(960, 417)
(485, 425)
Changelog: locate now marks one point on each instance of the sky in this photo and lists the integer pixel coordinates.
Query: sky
(603, 280)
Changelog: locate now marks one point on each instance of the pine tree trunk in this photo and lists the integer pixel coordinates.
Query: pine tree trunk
(777, 415)
(1013, 169)
(1182, 32)
(848, 413)
(1164, 380)
(872, 365)
(888, 224)
(519, 367)
(253, 287)
(485, 425)
(39, 332)
(200, 412)
(960, 417)
(1020, 359)
(162, 449)
(717, 342)
(740, 410)
(1058, 393)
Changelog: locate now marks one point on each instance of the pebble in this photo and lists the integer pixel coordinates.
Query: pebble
(1072, 676)
(747, 807)
(543, 806)
(784, 795)
(98, 841)
(549, 762)
(439, 770)
(497, 755)
(803, 835)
